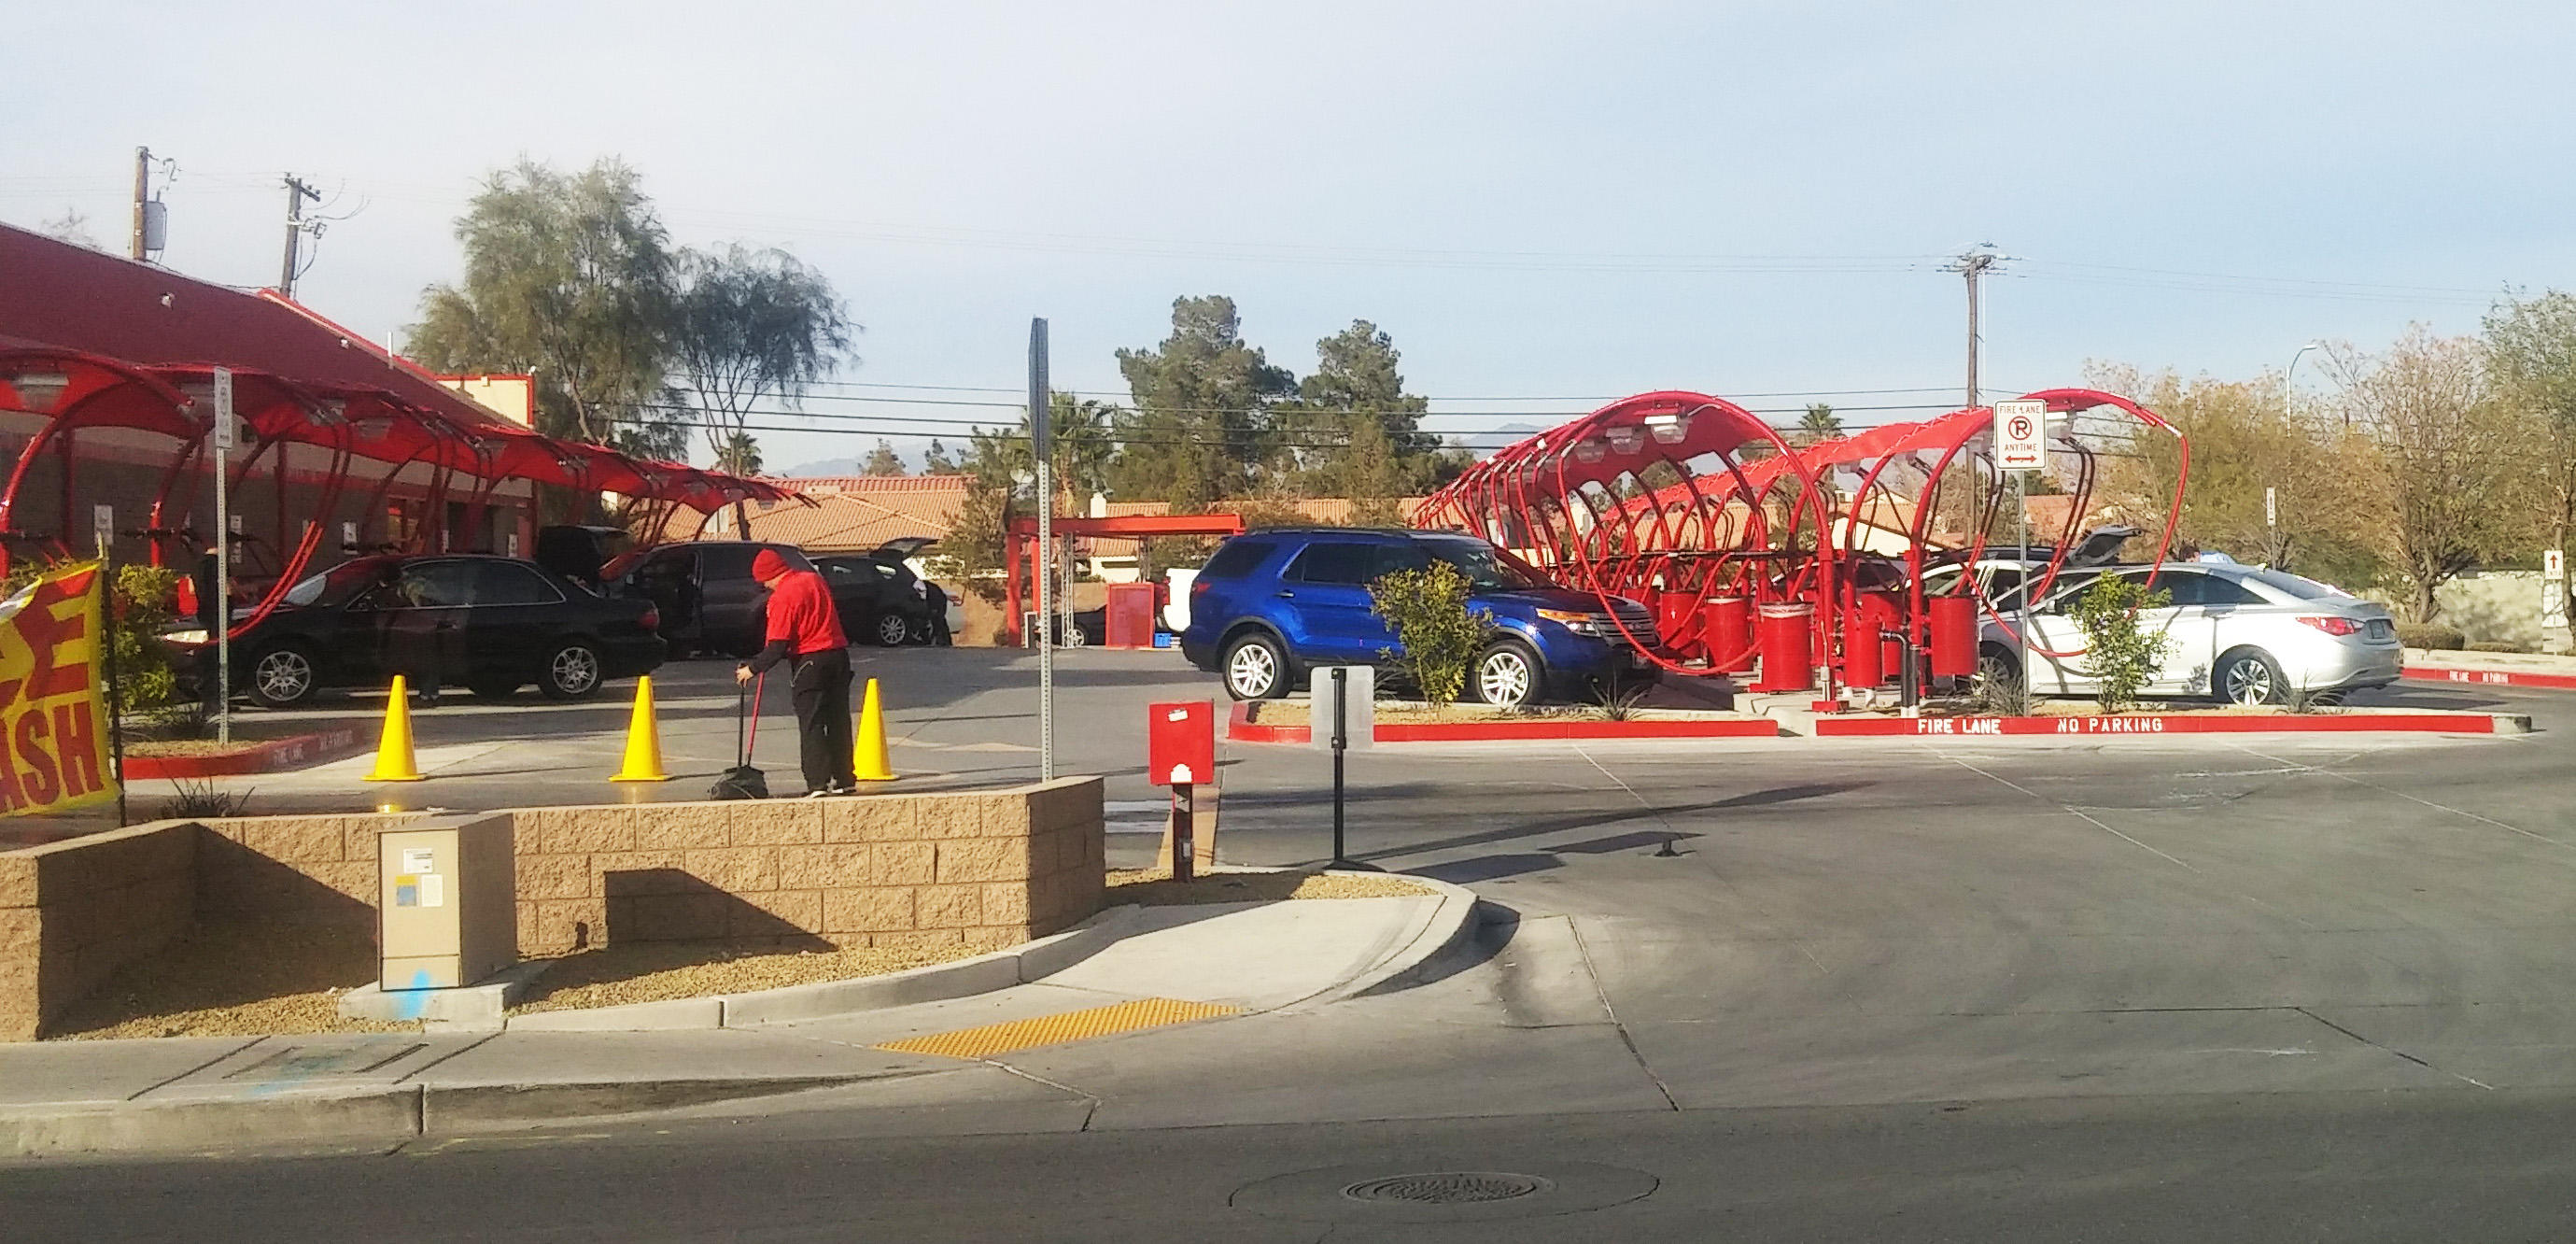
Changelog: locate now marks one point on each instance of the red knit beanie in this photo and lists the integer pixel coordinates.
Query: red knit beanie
(767, 565)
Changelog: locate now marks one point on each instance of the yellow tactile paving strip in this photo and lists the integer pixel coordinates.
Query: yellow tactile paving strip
(1082, 1025)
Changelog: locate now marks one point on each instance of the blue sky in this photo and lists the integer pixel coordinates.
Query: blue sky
(1541, 202)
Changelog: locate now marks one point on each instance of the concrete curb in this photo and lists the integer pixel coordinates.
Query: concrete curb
(1445, 926)
(1000, 969)
(2479, 676)
(1240, 728)
(377, 1116)
(296, 752)
(2153, 724)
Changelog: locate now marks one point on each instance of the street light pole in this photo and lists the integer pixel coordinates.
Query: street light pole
(2290, 395)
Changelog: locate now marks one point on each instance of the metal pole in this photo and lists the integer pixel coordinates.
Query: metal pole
(1042, 440)
(222, 434)
(107, 671)
(2021, 511)
(1341, 743)
(1184, 810)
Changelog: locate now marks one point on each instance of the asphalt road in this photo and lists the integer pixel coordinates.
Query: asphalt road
(2311, 987)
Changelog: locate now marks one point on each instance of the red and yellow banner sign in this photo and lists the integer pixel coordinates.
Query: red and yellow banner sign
(53, 721)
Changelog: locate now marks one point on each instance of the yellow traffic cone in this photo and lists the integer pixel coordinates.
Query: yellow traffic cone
(868, 759)
(394, 761)
(643, 740)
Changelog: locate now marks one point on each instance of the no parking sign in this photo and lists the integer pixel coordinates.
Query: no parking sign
(2021, 432)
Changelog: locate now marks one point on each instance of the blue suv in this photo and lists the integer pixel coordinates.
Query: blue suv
(1273, 604)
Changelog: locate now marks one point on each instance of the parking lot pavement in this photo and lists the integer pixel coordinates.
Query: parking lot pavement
(955, 717)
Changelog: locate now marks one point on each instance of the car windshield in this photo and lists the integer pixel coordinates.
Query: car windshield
(2296, 585)
(332, 586)
(1485, 566)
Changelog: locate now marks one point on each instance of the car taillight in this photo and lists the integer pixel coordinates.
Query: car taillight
(652, 617)
(2332, 625)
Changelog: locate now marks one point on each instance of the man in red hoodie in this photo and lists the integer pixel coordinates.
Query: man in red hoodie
(805, 631)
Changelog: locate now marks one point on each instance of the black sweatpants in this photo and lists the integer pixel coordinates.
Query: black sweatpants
(822, 687)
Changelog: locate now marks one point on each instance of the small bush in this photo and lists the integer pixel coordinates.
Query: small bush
(1614, 702)
(2498, 645)
(2123, 657)
(2430, 635)
(201, 799)
(1429, 613)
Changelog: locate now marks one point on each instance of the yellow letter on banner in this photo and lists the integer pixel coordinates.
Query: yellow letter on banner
(53, 724)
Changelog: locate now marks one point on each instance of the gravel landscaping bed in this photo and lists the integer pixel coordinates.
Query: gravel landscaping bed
(235, 979)
(232, 978)
(1155, 887)
(661, 971)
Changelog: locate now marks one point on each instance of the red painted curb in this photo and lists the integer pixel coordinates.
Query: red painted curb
(1985, 727)
(1240, 728)
(290, 753)
(2489, 678)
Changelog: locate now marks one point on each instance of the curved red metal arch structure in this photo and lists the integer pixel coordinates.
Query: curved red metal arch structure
(76, 391)
(1682, 500)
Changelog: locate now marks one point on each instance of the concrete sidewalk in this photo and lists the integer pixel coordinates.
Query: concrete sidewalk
(1177, 964)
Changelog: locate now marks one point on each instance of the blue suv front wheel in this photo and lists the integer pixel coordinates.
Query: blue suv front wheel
(1507, 675)
(1255, 668)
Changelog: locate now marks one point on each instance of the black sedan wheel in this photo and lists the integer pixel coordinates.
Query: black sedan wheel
(892, 630)
(572, 671)
(283, 677)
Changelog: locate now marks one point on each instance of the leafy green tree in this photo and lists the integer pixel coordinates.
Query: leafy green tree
(936, 460)
(2244, 439)
(1201, 429)
(1819, 424)
(1358, 432)
(882, 460)
(2531, 348)
(972, 551)
(569, 277)
(2123, 656)
(1440, 631)
(2456, 485)
(748, 328)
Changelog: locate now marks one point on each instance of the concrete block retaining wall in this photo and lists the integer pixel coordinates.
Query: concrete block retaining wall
(73, 912)
(982, 869)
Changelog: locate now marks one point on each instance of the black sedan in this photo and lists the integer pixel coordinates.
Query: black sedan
(881, 601)
(492, 624)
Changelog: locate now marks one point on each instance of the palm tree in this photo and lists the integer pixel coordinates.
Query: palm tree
(1819, 424)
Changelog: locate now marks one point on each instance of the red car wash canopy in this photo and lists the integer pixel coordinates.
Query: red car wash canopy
(106, 371)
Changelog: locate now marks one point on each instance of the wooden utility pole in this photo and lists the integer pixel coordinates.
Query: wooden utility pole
(1973, 265)
(142, 194)
(296, 193)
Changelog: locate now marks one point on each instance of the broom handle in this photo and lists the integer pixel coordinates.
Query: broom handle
(756, 682)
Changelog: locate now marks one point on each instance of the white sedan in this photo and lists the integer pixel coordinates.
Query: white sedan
(2238, 634)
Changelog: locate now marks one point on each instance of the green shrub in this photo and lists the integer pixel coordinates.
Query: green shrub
(2123, 657)
(2430, 635)
(1428, 610)
(2498, 645)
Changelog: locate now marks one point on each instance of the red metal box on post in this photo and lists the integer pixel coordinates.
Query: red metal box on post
(1128, 622)
(1180, 743)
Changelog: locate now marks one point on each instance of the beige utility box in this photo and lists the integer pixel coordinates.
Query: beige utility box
(446, 911)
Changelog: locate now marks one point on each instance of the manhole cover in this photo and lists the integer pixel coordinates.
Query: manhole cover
(1356, 1192)
(1447, 1188)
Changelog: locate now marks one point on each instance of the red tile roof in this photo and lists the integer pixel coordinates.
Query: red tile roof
(851, 513)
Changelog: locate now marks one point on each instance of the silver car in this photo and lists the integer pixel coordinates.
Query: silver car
(2239, 634)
